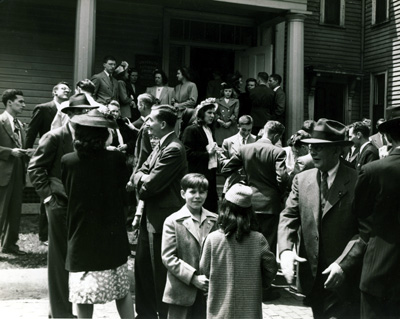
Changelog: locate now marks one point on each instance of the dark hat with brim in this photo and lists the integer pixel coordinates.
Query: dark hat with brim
(94, 118)
(393, 120)
(328, 132)
(79, 101)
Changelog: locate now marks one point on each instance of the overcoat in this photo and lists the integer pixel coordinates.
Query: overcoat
(106, 88)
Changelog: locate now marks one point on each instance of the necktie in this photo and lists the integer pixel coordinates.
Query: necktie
(244, 141)
(324, 189)
(154, 155)
(111, 81)
(17, 133)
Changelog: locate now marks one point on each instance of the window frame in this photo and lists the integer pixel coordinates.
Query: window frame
(342, 14)
(373, 96)
(373, 13)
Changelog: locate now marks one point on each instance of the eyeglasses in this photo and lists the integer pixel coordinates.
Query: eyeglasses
(316, 147)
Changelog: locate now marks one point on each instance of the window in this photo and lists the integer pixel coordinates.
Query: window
(380, 11)
(378, 96)
(332, 12)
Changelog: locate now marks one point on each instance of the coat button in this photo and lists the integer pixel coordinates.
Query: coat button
(316, 237)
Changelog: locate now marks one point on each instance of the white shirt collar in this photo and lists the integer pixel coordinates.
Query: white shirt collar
(363, 146)
(106, 73)
(332, 174)
(277, 88)
(165, 137)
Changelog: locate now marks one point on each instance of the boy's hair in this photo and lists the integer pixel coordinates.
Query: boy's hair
(10, 94)
(236, 220)
(194, 180)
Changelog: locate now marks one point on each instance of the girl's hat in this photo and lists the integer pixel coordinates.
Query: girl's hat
(226, 85)
(209, 101)
(240, 195)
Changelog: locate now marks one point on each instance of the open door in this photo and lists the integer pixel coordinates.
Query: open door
(253, 60)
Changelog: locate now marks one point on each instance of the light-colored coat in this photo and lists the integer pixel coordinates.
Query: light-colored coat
(166, 96)
(230, 147)
(180, 249)
(339, 235)
(237, 274)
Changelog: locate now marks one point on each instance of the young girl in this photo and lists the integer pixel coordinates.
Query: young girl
(237, 260)
(226, 115)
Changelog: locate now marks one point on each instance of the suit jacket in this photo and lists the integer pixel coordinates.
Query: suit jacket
(8, 141)
(95, 206)
(279, 106)
(377, 198)
(339, 236)
(377, 141)
(105, 89)
(265, 169)
(42, 117)
(180, 251)
(44, 168)
(161, 192)
(369, 154)
(166, 96)
(262, 102)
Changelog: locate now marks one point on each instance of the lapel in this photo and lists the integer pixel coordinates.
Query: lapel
(235, 144)
(107, 80)
(337, 190)
(190, 226)
(203, 135)
(163, 93)
(224, 104)
(313, 191)
(8, 129)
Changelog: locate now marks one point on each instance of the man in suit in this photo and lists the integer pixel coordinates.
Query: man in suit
(265, 168)
(278, 110)
(230, 147)
(12, 170)
(377, 198)
(106, 85)
(358, 134)
(262, 101)
(45, 173)
(319, 206)
(42, 117)
(158, 185)
(379, 139)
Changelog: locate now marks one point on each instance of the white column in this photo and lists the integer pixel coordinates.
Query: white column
(85, 34)
(295, 73)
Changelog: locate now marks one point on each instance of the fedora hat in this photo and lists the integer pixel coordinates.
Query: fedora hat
(393, 120)
(79, 101)
(328, 132)
(95, 118)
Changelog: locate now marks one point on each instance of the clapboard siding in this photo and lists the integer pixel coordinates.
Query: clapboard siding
(382, 53)
(37, 48)
(336, 47)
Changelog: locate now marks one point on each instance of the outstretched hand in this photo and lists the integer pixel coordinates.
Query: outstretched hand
(336, 276)
(288, 259)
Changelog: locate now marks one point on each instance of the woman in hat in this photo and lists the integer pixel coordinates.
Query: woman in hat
(237, 260)
(227, 114)
(98, 247)
(201, 149)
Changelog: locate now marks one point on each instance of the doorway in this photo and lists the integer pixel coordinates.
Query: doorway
(204, 61)
(330, 101)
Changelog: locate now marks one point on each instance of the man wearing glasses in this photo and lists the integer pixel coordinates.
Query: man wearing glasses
(330, 248)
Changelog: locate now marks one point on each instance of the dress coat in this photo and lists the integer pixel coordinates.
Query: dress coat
(161, 192)
(166, 96)
(226, 112)
(237, 272)
(180, 249)
(97, 237)
(42, 117)
(230, 147)
(106, 89)
(264, 165)
(126, 99)
(279, 107)
(339, 234)
(195, 140)
(377, 197)
(369, 154)
(186, 95)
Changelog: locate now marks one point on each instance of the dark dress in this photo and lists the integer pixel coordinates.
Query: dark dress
(97, 237)
(195, 140)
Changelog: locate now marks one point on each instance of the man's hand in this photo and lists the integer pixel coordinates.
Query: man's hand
(200, 282)
(145, 178)
(288, 259)
(130, 187)
(30, 151)
(111, 148)
(336, 276)
(135, 225)
(18, 152)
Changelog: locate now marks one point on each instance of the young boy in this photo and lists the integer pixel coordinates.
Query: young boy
(183, 236)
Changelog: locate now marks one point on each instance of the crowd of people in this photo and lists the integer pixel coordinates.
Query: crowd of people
(114, 157)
